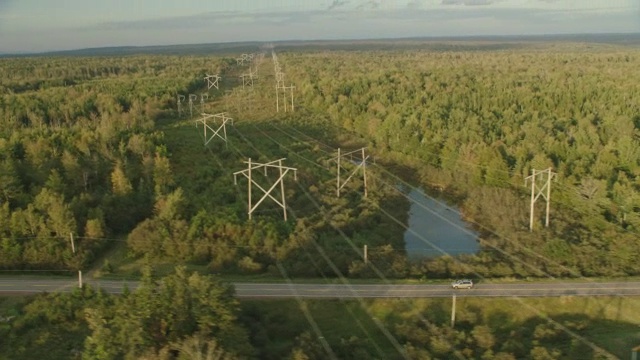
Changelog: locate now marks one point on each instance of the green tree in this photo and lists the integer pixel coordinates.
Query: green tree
(162, 175)
(200, 348)
(57, 214)
(10, 187)
(181, 309)
(120, 184)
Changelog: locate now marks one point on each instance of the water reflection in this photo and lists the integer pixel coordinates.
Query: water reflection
(436, 228)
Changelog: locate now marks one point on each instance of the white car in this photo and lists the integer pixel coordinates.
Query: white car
(462, 284)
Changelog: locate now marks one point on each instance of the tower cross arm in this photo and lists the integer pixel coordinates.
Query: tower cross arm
(262, 166)
(347, 153)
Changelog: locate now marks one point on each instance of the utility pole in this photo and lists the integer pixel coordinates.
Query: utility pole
(73, 250)
(453, 311)
(361, 165)
(284, 97)
(180, 100)
(283, 170)
(338, 173)
(279, 86)
(364, 171)
(366, 256)
(537, 191)
(290, 88)
(73, 245)
(203, 97)
(192, 97)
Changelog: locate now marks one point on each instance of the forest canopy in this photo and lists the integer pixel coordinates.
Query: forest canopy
(94, 146)
(96, 155)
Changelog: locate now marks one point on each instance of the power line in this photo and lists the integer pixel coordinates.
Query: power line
(538, 312)
(584, 340)
(509, 184)
(339, 274)
(570, 208)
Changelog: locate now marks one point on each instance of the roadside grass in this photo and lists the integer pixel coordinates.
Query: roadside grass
(615, 321)
(513, 280)
(356, 324)
(611, 323)
(118, 259)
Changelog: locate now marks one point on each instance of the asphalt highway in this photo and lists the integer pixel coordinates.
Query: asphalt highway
(17, 285)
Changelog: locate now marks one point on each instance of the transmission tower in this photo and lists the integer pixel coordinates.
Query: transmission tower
(245, 81)
(212, 81)
(203, 97)
(192, 97)
(361, 163)
(282, 170)
(253, 72)
(180, 100)
(280, 85)
(222, 117)
(290, 88)
(73, 249)
(243, 58)
(537, 191)
(278, 88)
(279, 78)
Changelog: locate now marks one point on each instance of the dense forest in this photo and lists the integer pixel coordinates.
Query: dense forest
(94, 152)
(475, 124)
(102, 168)
(91, 146)
(80, 152)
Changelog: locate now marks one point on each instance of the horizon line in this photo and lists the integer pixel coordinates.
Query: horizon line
(448, 37)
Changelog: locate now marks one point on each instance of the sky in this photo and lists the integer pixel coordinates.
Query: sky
(51, 25)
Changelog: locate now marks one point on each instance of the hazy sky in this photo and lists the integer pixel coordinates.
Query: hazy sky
(43, 25)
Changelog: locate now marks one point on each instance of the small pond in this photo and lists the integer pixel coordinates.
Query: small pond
(436, 228)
